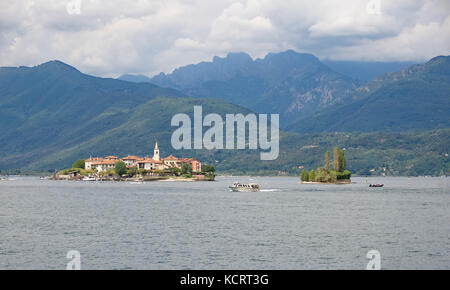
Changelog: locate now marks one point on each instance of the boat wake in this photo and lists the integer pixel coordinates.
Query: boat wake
(270, 190)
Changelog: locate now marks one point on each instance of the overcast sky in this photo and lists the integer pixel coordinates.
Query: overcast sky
(112, 37)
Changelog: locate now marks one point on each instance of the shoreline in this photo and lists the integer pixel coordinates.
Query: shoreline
(349, 181)
(256, 176)
(134, 180)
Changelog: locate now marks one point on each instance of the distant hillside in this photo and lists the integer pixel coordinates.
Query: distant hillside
(289, 83)
(53, 106)
(134, 78)
(375, 153)
(358, 70)
(53, 114)
(415, 98)
(365, 70)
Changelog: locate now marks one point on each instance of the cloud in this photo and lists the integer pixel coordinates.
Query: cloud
(112, 37)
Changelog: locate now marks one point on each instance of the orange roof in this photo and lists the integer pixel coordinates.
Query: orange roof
(104, 162)
(149, 160)
(186, 159)
(111, 157)
(171, 157)
(131, 157)
(94, 159)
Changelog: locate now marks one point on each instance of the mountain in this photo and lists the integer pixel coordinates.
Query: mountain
(365, 70)
(134, 78)
(52, 115)
(358, 70)
(194, 75)
(289, 83)
(54, 108)
(415, 98)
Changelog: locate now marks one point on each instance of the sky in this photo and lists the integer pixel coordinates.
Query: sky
(112, 37)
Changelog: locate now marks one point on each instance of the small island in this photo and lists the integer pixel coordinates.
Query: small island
(137, 169)
(339, 173)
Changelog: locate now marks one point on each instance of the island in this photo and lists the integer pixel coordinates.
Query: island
(339, 173)
(137, 169)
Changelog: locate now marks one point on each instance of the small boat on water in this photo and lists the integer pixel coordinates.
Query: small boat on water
(376, 185)
(89, 178)
(251, 187)
(137, 181)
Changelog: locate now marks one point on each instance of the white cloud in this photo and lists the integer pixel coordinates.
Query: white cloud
(117, 36)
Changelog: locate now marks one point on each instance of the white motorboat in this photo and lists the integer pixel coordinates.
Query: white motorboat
(239, 187)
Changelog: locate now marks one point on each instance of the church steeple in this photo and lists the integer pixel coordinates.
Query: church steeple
(156, 152)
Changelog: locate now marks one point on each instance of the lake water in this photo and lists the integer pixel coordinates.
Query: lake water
(176, 225)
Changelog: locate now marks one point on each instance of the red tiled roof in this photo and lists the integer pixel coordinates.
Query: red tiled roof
(111, 157)
(149, 160)
(131, 157)
(186, 159)
(171, 157)
(94, 159)
(105, 162)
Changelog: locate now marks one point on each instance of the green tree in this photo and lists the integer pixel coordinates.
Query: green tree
(342, 161)
(321, 175)
(132, 171)
(208, 168)
(336, 158)
(343, 175)
(209, 171)
(79, 164)
(120, 168)
(327, 160)
(186, 168)
(175, 171)
(304, 176)
(312, 175)
(332, 177)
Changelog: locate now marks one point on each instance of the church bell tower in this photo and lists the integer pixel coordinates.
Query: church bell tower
(156, 152)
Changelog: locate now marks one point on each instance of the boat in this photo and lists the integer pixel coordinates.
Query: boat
(89, 178)
(251, 187)
(376, 185)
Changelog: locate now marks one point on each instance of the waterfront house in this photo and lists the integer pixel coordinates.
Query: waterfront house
(171, 161)
(104, 165)
(149, 164)
(131, 161)
(88, 162)
(196, 165)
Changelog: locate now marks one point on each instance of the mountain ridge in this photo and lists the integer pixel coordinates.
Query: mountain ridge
(52, 115)
(288, 83)
(295, 85)
(414, 98)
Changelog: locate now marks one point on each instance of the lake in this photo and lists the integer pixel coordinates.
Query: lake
(201, 225)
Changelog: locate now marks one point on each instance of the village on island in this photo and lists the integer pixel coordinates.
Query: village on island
(139, 169)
